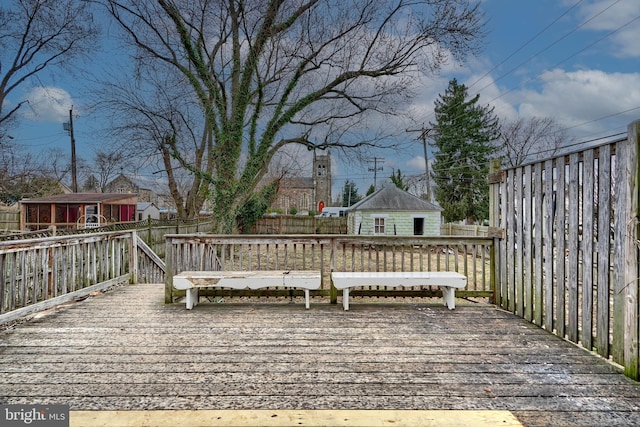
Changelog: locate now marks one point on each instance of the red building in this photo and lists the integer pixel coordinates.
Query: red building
(77, 210)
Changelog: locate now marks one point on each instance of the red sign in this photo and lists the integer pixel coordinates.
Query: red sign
(320, 206)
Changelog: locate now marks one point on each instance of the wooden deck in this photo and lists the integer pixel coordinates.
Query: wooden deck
(127, 350)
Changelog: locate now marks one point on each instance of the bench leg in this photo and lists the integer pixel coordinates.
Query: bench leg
(449, 296)
(345, 298)
(306, 298)
(192, 298)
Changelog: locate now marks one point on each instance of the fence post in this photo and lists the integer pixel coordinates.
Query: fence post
(169, 260)
(495, 180)
(133, 257)
(630, 236)
(149, 231)
(333, 292)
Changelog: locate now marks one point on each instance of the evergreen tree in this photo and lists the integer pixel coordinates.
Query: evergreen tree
(350, 193)
(371, 189)
(464, 143)
(398, 180)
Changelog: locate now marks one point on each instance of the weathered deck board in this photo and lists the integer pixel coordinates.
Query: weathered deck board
(128, 350)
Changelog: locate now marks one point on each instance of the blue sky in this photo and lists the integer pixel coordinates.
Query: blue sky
(575, 61)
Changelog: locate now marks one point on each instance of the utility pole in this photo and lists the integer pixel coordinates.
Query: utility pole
(375, 169)
(69, 128)
(424, 133)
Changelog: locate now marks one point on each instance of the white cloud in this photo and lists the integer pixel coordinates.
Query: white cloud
(416, 163)
(48, 104)
(575, 98)
(620, 17)
(608, 15)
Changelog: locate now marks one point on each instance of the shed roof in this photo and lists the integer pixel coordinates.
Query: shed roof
(391, 198)
(79, 198)
(144, 205)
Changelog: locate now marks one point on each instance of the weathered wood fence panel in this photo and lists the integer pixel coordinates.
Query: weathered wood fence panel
(468, 255)
(150, 266)
(9, 220)
(569, 256)
(38, 270)
(36, 274)
(450, 229)
(153, 231)
(293, 224)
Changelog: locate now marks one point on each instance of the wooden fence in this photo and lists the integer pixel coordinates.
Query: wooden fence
(568, 261)
(152, 231)
(450, 229)
(469, 255)
(36, 274)
(9, 221)
(293, 224)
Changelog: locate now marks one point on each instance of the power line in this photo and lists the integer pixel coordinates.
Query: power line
(551, 45)
(69, 127)
(375, 168)
(558, 63)
(527, 42)
(424, 133)
(565, 59)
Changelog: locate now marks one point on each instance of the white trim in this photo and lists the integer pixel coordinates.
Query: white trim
(384, 217)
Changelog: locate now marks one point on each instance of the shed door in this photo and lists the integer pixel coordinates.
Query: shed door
(418, 226)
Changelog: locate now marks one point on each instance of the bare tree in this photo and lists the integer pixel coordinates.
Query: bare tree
(524, 139)
(36, 35)
(266, 74)
(25, 174)
(154, 111)
(107, 164)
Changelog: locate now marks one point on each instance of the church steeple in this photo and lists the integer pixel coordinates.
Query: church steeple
(322, 180)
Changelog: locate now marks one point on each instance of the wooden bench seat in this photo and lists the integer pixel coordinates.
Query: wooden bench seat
(446, 280)
(191, 281)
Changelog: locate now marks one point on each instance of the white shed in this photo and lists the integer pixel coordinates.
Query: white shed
(391, 211)
(145, 210)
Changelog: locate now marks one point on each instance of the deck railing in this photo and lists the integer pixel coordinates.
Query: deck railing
(36, 274)
(468, 255)
(569, 259)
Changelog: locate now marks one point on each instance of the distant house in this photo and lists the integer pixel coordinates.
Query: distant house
(391, 211)
(147, 190)
(144, 210)
(77, 210)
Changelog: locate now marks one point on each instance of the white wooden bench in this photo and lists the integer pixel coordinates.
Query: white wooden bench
(446, 280)
(191, 281)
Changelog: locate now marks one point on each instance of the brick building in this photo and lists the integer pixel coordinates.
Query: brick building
(306, 193)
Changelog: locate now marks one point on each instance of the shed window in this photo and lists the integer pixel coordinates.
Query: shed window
(378, 225)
